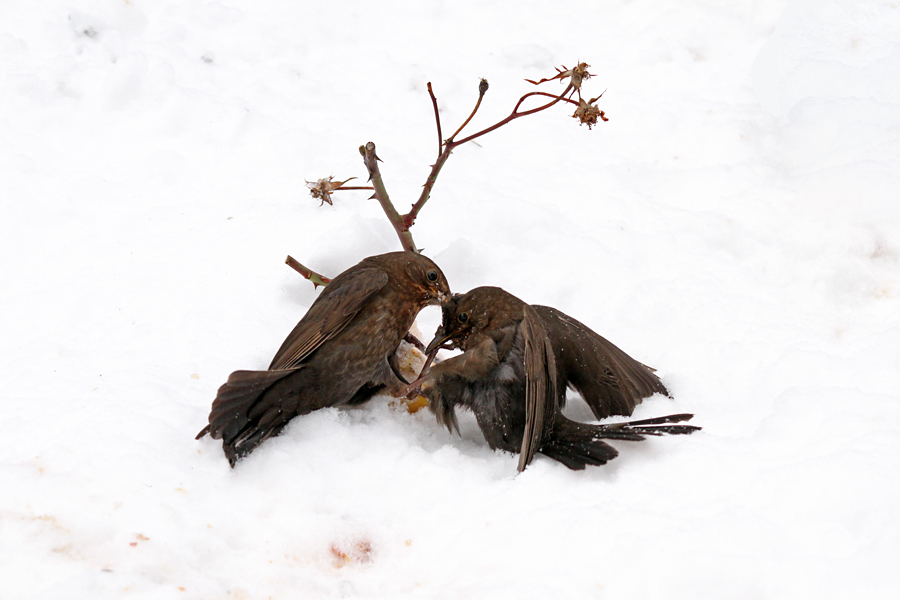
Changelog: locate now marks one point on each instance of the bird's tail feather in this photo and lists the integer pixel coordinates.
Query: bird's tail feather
(575, 445)
(636, 430)
(578, 444)
(241, 417)
(577, 452)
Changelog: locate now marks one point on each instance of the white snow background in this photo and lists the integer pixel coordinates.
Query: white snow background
(735, 224)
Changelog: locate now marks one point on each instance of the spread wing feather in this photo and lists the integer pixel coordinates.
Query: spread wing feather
(610, 381)
(540, 386)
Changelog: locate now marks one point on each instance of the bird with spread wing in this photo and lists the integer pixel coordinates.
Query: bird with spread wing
(516, 364)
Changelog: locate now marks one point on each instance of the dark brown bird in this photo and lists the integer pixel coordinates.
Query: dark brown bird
(516, 363)
(340, 353)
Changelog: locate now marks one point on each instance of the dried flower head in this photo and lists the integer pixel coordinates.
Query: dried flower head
(323, 188)
(579, 74)
(576, 75)
(588, 113)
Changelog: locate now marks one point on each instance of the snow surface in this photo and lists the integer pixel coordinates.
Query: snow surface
(735, 224)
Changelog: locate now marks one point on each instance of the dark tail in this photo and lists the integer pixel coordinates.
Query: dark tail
(244, 415)
(577, 445)
(636, 430)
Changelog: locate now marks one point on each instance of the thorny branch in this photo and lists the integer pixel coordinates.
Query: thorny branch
(586, 112)
(437, 116)
(482, 89)
(515, 114)
(371, 159)
(314, 277)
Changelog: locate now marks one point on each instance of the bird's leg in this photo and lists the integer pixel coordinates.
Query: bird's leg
(395, 384)
(395, 368)
(415, 388)
(409, 338)
(472, 365)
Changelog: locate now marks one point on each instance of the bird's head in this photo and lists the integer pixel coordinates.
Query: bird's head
(482, 309)
(420, 276)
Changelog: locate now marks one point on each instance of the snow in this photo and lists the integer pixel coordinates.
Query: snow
(735, 224)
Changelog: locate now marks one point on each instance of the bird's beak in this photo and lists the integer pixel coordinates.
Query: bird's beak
(434, 297)
(437, 342)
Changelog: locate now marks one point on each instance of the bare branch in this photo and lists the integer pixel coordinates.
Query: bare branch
(437, 118)
(371, 161)
(444, 149)
(314, 277)
(586, 112)
(482, 88)
(554, 96)
(515, 114)
(410, 218)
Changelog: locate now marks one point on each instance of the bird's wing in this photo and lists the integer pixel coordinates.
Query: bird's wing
(610, 381)
(540, 386)
(333, 309)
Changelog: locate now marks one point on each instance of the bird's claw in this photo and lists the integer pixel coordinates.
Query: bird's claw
(415, 389)
(413, 392)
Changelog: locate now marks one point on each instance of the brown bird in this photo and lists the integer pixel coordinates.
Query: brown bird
(340, 353)
(516, 363)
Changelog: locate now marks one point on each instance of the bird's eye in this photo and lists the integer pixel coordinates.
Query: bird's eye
(463, 317)
(431, 275)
